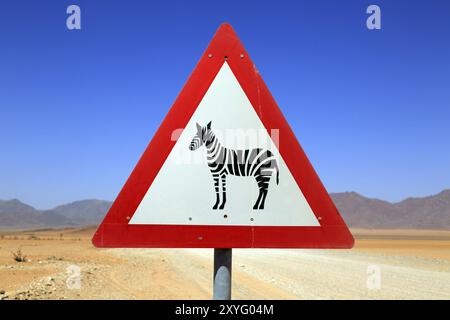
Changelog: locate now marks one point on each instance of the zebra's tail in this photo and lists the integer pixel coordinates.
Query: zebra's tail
(278, 172)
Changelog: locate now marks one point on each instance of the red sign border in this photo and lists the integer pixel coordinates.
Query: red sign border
(115, 230)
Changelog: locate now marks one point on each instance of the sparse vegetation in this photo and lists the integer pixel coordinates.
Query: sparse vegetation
(33, 237)
(54, 258)
(19, 256)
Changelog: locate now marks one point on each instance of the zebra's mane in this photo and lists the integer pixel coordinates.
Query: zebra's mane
(210, 136)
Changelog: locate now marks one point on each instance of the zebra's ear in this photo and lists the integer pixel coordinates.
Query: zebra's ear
(208, 126)
(199, 128)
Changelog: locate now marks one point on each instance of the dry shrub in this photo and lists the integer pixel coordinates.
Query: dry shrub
(19, 256)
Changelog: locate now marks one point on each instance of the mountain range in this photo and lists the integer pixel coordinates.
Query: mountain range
(432, 212)
(15, 214)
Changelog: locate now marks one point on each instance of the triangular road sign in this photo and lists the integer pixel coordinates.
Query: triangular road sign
(224, 170)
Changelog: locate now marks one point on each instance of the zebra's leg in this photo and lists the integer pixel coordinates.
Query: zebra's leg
(224, 191)
(216, 188)
(263, 199)
(256, 206)
(263, 185)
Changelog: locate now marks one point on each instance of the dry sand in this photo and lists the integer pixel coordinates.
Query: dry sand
(413, 265)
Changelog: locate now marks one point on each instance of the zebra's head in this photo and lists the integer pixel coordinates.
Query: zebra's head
(202, 136)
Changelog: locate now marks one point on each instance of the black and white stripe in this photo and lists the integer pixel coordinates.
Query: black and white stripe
(222, 161)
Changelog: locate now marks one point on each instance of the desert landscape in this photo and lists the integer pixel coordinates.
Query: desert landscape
(406, 244)
(412, 264)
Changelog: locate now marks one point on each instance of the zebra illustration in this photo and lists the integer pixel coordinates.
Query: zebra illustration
(223, 161)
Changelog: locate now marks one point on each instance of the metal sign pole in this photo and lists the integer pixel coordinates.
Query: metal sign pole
(222, 274)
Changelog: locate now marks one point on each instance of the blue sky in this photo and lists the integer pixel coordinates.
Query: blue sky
(370, 108)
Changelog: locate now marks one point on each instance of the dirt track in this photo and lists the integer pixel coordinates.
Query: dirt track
(410, 269)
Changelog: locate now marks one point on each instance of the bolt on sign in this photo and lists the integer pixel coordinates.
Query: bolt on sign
(224, 170)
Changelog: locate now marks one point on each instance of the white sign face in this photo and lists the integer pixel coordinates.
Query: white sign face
(184, 191)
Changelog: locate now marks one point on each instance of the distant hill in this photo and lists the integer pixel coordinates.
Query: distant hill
(17, 215)
(84, 212)
(431, 212)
